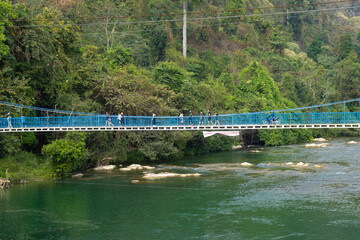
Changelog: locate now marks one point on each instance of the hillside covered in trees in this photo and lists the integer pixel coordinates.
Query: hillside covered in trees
(127, 56)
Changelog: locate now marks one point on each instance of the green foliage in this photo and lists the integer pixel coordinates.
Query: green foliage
(120, 148)
(278, 41)
(345, 46)
(129, 90)
(280, 64)
(214, 64)
(187, 98)
(284, 137)
(287, 87)
(259, 81)
(26, 166)
(241, 59)
(118, 57)
(158, 150)
(68, 154)
(229, 25)
(44, 54)
(314, 49)
(15, 88)
(139, 48)
(198, 144)
(197, 68)
(227, 80)
(347, 77)
(157, 42)
(28, 140)
(6, 14)
(10, 144)
(156, 146)
(170, 75)
(259, 89)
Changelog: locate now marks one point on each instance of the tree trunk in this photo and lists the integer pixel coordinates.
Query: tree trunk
(184, 27)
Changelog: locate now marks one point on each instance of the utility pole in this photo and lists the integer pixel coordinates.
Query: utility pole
(184, 27)
(287, 17)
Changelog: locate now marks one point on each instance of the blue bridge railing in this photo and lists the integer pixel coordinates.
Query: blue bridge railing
(228, 119)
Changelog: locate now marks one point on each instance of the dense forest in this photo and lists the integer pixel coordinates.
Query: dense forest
(127, 56)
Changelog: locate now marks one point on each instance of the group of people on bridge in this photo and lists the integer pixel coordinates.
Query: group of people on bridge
(181, 120)
(9, 120)
(122, 120)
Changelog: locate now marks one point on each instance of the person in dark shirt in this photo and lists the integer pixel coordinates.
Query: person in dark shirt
(153, 119)
(108, 120)
(217, 119)
(201, 120)
(122, 119)
(209, 117)
(190, 117)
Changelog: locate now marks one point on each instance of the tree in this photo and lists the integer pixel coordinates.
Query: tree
(118, 56)
(345, 46)
(314, 49)
(169, 74)
(347, 77)
(43, 54)
(198, 69)
(319, 87)
(68, 154)
(129, 90)
(278, 41)
(106, 34)
(6, 14)
(229, 25)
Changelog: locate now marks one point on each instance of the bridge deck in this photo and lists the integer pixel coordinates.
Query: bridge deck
(181, 128)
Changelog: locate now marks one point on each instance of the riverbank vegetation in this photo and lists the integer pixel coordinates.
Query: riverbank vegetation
(126, 56)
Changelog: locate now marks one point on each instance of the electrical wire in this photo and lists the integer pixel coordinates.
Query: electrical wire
(203, 25)
(189, 27)
(195, 27)
(191, 19)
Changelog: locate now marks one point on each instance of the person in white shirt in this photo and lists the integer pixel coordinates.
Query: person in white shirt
(119, 118)
(9, 120)
(181, 117)
(153, 119)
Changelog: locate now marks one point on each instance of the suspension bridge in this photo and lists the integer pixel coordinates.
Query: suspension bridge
(22, 118)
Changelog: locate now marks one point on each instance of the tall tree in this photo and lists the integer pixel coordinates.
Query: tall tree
(345, 46)
(6, 13)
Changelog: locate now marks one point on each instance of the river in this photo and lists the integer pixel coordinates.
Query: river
(315, 197)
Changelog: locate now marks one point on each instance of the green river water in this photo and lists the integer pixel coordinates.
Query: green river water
(268, 200)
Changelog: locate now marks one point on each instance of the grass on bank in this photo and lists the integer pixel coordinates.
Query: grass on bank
(26, 166)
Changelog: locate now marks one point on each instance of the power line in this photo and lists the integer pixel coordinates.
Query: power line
(191, 13)
(191, 19)
(200, 26)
